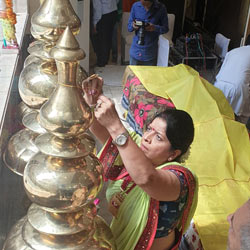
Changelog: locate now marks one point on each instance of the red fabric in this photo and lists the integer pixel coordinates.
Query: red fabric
(148, 235)
(112, 172)
(127, 5)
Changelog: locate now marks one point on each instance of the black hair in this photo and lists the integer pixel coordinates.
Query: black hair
(180, 128)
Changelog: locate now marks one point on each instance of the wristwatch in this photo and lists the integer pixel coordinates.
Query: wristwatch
(121, 139)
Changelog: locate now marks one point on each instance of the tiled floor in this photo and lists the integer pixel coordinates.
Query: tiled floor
(112, 76)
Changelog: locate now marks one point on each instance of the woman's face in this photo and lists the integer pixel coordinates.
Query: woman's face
(156, 145)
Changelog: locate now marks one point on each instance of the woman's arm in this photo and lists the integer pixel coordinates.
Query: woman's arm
(159, 184)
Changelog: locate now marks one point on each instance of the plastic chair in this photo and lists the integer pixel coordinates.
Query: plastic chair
(126, 38)
(221, 45)
(163, 51)
(165, 41)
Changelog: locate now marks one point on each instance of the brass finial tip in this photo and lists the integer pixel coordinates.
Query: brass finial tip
(67, 48)
(67, 40)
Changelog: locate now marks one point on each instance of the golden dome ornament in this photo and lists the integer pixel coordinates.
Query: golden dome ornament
(51, 19)
(38, 79)
(64, 177)
(66, 114)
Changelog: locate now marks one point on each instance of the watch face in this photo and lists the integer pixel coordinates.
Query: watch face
(121, 140)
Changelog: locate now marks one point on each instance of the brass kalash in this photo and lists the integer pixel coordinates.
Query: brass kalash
(38, 78)
(65, 176)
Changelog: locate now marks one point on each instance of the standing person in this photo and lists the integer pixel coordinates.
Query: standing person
(239, 231)
(115, 32)
(154, 16)
(233, 80)
(151, 196)
(104, 19)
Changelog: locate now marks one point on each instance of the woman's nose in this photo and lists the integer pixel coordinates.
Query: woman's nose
(148, 137)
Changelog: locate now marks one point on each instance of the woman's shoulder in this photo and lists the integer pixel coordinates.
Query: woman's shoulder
(180, 171)
(175, 166)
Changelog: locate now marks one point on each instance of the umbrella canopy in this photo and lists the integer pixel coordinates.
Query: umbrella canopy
(220, 152)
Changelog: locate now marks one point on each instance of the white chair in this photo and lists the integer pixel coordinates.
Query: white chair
(165, 41)
(127, 37)
(169, 34)
(221, 45)
(163, 51)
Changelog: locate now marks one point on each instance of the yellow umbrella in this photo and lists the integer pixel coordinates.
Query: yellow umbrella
(220, 153)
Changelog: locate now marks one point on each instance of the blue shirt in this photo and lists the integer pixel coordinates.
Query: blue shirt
(102, 7)
(156, 15)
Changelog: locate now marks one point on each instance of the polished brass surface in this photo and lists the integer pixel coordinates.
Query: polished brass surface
(70, 148)
(22, 110)
(69, 115)
(30, 121)
(20, 149)
(62, 223)
(103, 237)
(66, 113)
(80, 76)
(62, 184)
(52, 17)
(42, 241)
(35, 84)
(64, 177)
(81, 73)
(14, 240)
(41, 50)
(67, 50)
(31, 59)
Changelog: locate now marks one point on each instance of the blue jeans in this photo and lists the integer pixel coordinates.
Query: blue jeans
(133, 61)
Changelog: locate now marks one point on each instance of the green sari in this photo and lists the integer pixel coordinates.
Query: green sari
(135, 225)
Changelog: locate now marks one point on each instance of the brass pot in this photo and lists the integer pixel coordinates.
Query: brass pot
(19, 151)
(66, 113)
(35, 84)
(62, 223)
(62, 185)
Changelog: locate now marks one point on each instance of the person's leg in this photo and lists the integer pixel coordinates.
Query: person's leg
(99, 43)
(150, 63)
(114, 43)
(108, 23)
(133, 61)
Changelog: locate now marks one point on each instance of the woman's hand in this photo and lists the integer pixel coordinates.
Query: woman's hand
(92, 88)
(107, 115)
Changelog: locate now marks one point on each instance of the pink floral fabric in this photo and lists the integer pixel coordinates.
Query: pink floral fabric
(141, 105)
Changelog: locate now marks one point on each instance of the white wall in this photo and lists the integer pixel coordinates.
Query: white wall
(82, 10)
(20, 6)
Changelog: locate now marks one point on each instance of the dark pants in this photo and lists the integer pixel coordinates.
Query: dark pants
(133, 61)
(102, 40)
